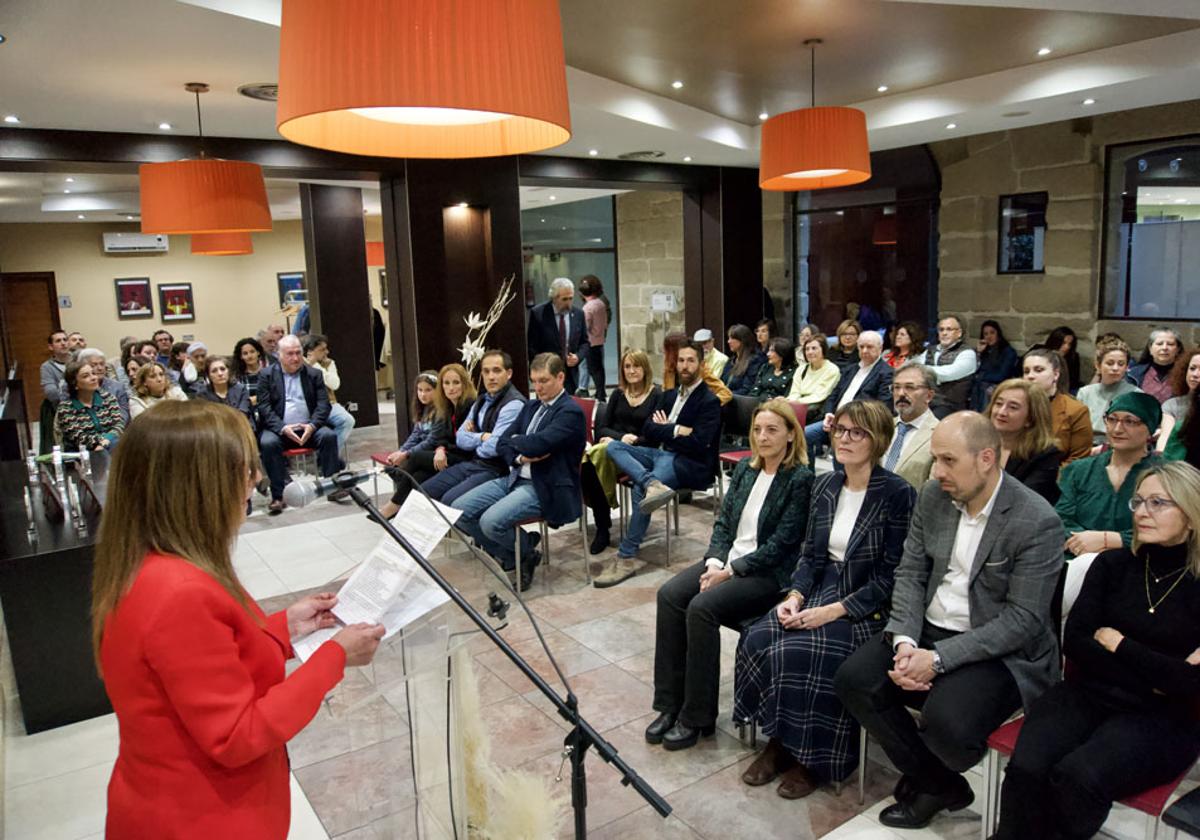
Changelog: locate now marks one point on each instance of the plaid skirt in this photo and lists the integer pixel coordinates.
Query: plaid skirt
(784, 681)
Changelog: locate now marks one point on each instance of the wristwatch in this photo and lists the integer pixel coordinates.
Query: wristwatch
(938, 667)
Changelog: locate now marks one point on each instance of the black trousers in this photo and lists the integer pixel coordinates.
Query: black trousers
(959, 712)
(687, 644)
(595, 363)
(420, 466)
(594, 496)
(1078, 753)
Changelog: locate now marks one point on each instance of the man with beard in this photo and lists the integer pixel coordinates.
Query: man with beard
(681, 453)
(909, 456)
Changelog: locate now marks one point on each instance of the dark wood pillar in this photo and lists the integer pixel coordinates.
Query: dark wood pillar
(335, 254)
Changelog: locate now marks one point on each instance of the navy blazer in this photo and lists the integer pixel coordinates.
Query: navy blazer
(695, 454)
(543, 330)
(562, 434)
(272, 400)
(876, 542)
(877, 386)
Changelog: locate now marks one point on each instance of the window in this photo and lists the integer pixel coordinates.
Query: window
(1152, 230)
(1022, 244)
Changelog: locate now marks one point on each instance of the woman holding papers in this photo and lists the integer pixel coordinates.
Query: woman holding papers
(194, 669)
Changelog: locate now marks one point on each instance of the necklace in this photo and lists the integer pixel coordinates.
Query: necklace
(1150, 601)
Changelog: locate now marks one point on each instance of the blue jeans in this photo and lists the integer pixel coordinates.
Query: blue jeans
(640, 463)
(457, 480)
(816, 437)
(490, 513)
(342, 422)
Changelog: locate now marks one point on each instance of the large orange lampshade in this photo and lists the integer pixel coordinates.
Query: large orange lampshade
(423, 78)
(813, 149)
(203, 196)
(222, 244)
(375, 254)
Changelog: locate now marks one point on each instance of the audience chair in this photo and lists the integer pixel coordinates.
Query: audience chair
(306, 456)
(589, 408)
(1184, 815)
(379, 459)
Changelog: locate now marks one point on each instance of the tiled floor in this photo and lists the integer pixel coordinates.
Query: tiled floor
(352, 773)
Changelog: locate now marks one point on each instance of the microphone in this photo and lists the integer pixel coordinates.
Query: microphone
(300, 493)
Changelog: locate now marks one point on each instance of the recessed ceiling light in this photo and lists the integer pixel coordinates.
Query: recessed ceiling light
(1088, 101)
(554, 198)
(462, 204)
(564, 227)
(882, 89)
(2, 39)
(542, 220)
(129, 218)
(164, 126)
(1045, 51)
(81, 216)
(70, 180)
(66, 192)
(951, 126)
(677, 84)
(1181, 201)
(763, 115)
(12, 119)
(687, 158)
(593, 152)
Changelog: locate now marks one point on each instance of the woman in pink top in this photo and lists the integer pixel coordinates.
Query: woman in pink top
(596, 315)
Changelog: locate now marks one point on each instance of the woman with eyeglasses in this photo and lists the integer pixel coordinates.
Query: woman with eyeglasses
(839, 597)
(1094, 505)
(1124, 720)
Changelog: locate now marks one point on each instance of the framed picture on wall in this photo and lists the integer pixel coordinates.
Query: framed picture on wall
(292, 288)
(133, 298)
(175, 300)
(1022, 235)
(383, 287)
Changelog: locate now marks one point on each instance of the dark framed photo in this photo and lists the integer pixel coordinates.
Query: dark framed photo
(292, 288)
(383, 300)
(133, 298)
(175, 301)
(1022, 241)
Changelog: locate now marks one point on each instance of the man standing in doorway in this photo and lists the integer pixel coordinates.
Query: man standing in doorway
(52, 372)
(557, 326)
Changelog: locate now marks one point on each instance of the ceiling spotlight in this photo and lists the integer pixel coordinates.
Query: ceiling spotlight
(129, 218)
(1181, 201)
(163, 126)
(543, 221)
(462, 204)
(763, 115)
(687, 158)
(2, 39)
(882, 89)
(66, 192)
(951, 126)
(677, 84)
(554, 198)
(81, 216)
(593, 152)
(70, 180)
(12, 119)
(1088, 101)
(1045, 51)
(564, 227)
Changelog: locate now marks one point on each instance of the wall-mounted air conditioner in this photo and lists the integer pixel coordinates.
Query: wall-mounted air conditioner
(135, 243)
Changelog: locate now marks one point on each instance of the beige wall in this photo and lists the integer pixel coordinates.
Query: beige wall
(1065, 159)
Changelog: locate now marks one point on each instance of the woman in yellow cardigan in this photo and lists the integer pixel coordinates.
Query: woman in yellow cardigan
(816, 378)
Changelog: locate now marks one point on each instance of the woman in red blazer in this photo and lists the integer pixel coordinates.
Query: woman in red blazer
(194, 669)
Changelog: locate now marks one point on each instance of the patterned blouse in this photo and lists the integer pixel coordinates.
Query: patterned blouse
(89, 426)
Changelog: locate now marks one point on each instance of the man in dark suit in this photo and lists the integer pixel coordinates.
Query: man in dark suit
(680, 453)
(870, 380)
(971, 637)
(293, 412)
(543, 449)
(557, 326)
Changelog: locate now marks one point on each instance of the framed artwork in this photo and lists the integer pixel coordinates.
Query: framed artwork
(291, 283)
(133, 298)
(175, 300)
(1022, 239)
(383, 300)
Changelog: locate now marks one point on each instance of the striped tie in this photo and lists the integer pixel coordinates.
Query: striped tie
(893, 455)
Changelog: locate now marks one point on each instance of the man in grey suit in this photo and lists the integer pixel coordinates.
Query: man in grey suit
(970, 638)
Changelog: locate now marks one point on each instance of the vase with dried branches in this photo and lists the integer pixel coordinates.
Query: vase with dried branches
(478, 326)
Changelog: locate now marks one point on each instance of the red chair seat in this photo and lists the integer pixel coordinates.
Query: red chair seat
(298, 451)
(735, 456)
(380, 458)
(1004, 739)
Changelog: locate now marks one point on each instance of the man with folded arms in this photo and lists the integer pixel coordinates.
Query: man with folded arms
(681, 453)
(971, 638)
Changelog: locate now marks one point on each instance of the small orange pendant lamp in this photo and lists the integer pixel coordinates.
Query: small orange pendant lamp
(814, 148)
(423, 78)
(222, 244)
(375, 253)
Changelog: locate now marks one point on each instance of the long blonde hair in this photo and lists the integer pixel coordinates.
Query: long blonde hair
(177, 485)
(442, 408)
(1039, 434)
(1182, 482)
(796, 453)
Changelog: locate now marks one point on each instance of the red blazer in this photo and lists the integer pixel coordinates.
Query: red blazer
(203, 708)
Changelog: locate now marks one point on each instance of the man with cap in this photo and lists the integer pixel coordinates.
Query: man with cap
(1094, 505)
(714, 360)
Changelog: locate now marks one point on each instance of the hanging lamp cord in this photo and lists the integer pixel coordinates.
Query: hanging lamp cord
(200, 124)
(812, 77)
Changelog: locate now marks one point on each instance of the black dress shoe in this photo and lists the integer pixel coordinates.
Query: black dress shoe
(921, 808)
(660, 727)
(599, 542)
(681, 736)
(528, 567)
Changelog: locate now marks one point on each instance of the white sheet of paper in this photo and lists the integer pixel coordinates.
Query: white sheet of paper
(419, 522)
(306, 646)
(372, 589)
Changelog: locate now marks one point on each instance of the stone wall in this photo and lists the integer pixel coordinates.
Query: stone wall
(1066, 160)
(777, 278)
(649, 262)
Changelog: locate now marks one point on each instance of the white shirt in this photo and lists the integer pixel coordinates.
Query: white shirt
(681, 397)
(534, 423)
(849, 504)
(860, 376)
(950, 608)
(746, 540)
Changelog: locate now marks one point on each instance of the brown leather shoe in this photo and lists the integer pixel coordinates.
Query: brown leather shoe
(797, 783)
(772, 761)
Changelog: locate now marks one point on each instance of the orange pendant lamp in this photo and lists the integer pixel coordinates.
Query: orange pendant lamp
(423, 78)
(222, 244)
(203, 195)
(814, 148)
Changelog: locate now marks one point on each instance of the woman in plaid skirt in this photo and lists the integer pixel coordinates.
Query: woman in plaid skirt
(839, 597)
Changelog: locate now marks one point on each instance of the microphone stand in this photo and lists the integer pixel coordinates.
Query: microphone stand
(582, 735)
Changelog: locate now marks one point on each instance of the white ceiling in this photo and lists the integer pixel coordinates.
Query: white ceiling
(119, 65)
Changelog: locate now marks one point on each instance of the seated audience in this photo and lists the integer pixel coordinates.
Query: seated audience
(248, 362)
(316, 355)
(442, 401)
(970, 639)
(671, 344)
(181, 370)
(95, 358)
(998, 361)
(478, 439)
(123, 374)
(269, 339)
(815, 379)
(714, 359)
(148, 350)
(293, 413)
(1071, 419)
(838, 601)
(162, 342)
(130, 370)
(775, 377)
(764, 331)
(870, 380)
(543, 449)
(1152, 373)
(625, 414)
(89, 418)
(754, 542)
(1124, 721)
(1020, 413)
(75, 341)
(678, 451)
(807, 331)
(1185, 380)
(198, 355)
(1183, 444)
(1112, 363)
(908, 342)
(220, 387)
(1062, 341)
(742, 370)
(908, 455)
(152, 385)
(954, 363)
(845, 351)
(53, 383)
